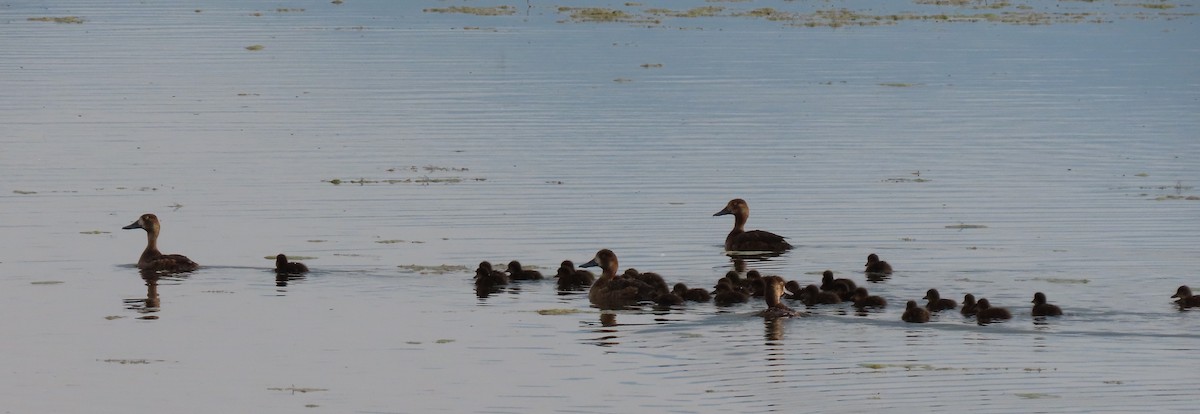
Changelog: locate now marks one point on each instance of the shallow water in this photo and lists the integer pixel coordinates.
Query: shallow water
(987, 158)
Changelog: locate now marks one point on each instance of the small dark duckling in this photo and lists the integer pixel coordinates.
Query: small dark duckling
(1185, 298)
(725, 295)
(515, 272)
(773, 291)
(968, 306)
(914, 313)
(876, 266)
(1041, 308)
(607, 292)
(988, 314)
(937, 303)
(571, 278)
(795, 291)
(691, 295)
(844, 288)
(487, 277)
(862, 299)
(754, 240)
(668, 299)
(153, 260)
(282, 265)
(814, 296)
(754, 282)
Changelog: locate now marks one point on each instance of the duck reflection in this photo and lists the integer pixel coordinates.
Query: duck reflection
(773, 330)
(151, 303)
(282, 279)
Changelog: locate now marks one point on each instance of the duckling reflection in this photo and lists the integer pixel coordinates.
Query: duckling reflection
(151, 303)
(754, 240)
(282, 279)
(151, 258)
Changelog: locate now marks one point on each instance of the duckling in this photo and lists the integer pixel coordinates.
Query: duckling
(988, 314)
(754, 240)
(571, 278)
(862, 299)
(968, 307)
(754, 282)
(691, 295)
(152, 259)
(814, 296)
(773, 291)
(876, 266)
(1185, 298)
(668, 299)
(937, 303)
(914, 313)
(725, 295)
(1041, 308)
(607, 292)
(517, 273)
(844, 288)
(486, 277)
(795, 291)
(282, 265)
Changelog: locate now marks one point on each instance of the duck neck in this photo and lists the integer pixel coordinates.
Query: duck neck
(151, 245)
(739, 222)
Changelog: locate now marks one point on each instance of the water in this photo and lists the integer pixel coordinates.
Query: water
(547, 140)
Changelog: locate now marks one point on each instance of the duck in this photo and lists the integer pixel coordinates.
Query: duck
(282, 265)
(968, 306)
(937, 303)
(1185, 298)
(726, 295)
(914, 313)
(608, 292)
(152, 259)
(486, 277)
(988, 314)
(691, 295)
(844, 288)
(795, 291)
(876, 266)
(1041, 308)
(862, 299)
(754, 240)
(515, 272)
(570, 278)
(773, 286)
(814, 296)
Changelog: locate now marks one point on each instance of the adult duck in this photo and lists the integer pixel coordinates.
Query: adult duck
(754, 240)
(152, 259)
(773, 290)
(605, 292)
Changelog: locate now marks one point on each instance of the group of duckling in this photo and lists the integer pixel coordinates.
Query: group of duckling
(613, 291)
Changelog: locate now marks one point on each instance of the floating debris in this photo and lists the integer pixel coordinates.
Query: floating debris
(132, 361)
(297, 389)
(47, 282)
(435, 270)
(1035, 395)
(24, 192)
(95, 232)
(60, 20)
(966, 226)
(255, 48)
(444, 341)
(558, 311)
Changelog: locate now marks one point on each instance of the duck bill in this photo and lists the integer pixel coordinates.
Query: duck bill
(723, 212)
(135, 225)
(590, 263)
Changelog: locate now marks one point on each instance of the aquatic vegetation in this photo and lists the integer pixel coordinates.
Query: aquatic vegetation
(907, 367)
(435, 270)
(287, 10)
(652, 65)
(47, 282)
(503, 10)
(254, 48)
(94, 232)
(444, 341)
(290, 257)
(60, 20)
(132, 361)
(605, 15)
(22, 192)
(897, 84)
(966, 226)
(557, 311)
(294, 389)
(1035, 395)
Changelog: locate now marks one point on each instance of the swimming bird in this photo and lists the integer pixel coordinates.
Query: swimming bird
(814, 296)
(773, 286)
(282, 265)
(914, 313)
(988, 314)
(874, 265)
(968, 306)
(1041, 308)
(754, 240)
(608, 292)
(726, 295)
(795, 291)
(937, 303)
(844, 288)
(691, 295)
(1185, 298)
(570, 278)
(486, 277)
(862, 299)
(515, 272)
(152, 259)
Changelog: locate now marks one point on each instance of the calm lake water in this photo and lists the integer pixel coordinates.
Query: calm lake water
(991, 156)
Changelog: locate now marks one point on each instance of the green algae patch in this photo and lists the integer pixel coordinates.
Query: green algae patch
(47, 282)
(558, 311)
(478, 11)
(434, 270)
(898, 84)
(444, 341)
(95, 232)
(605, 15)
(255, 48)
(23, 192)
(704, 11)
(132, 361)
(59, 20)
(297, 389)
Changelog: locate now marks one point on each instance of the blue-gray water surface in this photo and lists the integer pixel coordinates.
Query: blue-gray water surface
(988, 148)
